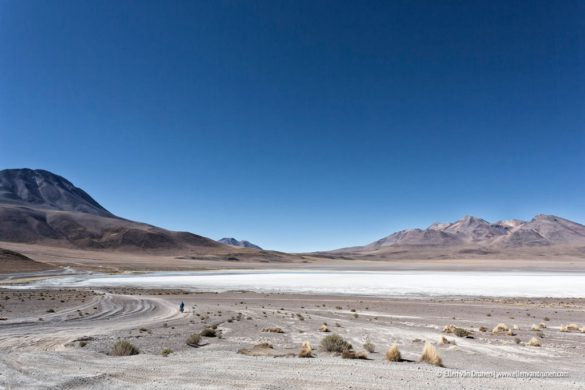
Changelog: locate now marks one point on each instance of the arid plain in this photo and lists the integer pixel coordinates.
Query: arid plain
(55, 333)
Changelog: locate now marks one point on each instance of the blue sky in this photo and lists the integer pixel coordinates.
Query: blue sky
(300, 125)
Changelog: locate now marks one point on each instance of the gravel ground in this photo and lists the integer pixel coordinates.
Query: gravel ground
(71, 350)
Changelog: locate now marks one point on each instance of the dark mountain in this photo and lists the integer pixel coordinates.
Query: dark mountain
(37, 206)
(240, 244)
(45, 190)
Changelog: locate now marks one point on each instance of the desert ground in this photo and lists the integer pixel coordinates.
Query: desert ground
(63, 338)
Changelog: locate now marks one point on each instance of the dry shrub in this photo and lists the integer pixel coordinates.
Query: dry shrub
(483, 329)
(324, 328)
(534, 342)
(571, 327)
(583, 329)
(510, 333)
(542, 325)
(194, 340)
(369, 346)
(393, 354)
(564, 328)
(430, 355)
(208, 332)
(262, 349)
(306, 350)
(535, 327)
(166, 352)
(273, 330)
(500, 328)
(459, 332)
(124, 348)
(335, 343)
(354, 355)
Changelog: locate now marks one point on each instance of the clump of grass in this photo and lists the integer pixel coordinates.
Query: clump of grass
(564, 329)
(510, 333)
(335, 343)
(483, 329)
(208, 332)
(369, 346)
(306, 350)
(393, 354)
(571, 327)
(166, 352)
(459, 332)
(194, 340)
(323, 328)
(534, 342)
(354, 355)
(124, 348)
(535, 327)
(272, 330)
(430, 355)
(500, 328)
(546, 319)
(515, 327)
(262, 349)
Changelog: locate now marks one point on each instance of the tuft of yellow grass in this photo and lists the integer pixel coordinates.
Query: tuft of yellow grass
(430, 355)
(535, 327)
(393, 354)
(515, 327)
(500, 328)
(564, 328)
(534, 342)
(510, 333)
(542, 325)
(306, 350)
(323, 328)
(583, 329)
(572, 327)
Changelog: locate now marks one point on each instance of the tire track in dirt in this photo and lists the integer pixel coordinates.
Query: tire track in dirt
(115, 312)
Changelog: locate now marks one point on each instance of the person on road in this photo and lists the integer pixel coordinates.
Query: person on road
(182, 306)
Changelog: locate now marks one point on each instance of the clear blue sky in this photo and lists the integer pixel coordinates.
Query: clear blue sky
(300, 125)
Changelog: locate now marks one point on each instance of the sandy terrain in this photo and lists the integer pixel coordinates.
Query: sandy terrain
(62, 339)
(112, 262)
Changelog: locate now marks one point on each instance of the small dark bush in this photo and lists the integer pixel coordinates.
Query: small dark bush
(124, 348)
(335, 343)
(194, 340)
(208, 332)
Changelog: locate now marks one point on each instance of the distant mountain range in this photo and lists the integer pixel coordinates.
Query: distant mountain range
(240, 244)
(39, 207)
(543, 234)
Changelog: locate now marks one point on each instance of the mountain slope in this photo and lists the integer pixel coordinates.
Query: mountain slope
(239, 244)
(543, 235)
(43, 189)
(37, 206)
(11, 261)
